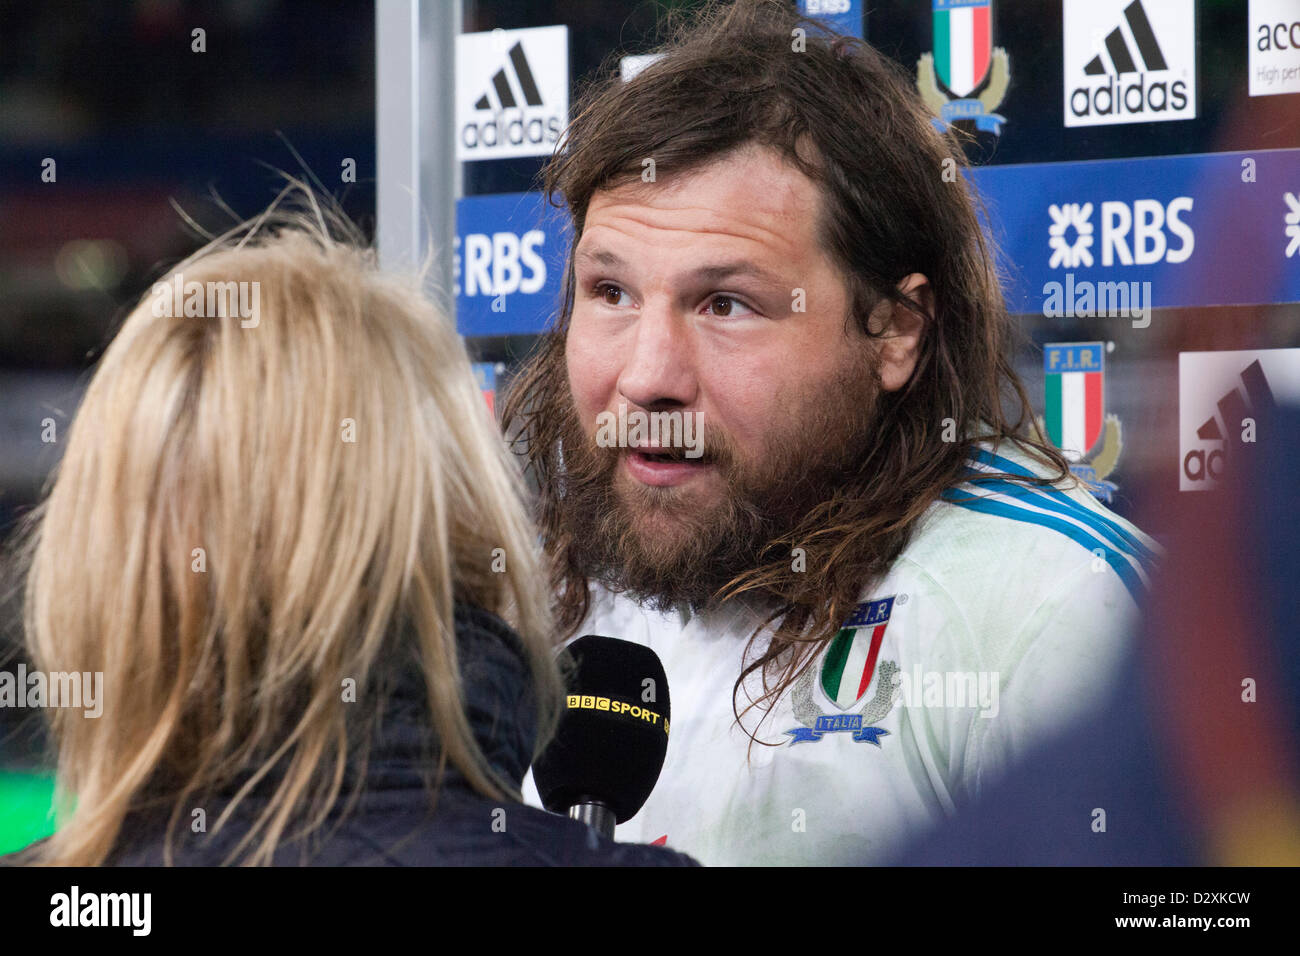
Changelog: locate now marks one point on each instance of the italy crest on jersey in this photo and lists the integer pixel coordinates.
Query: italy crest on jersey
(850, 673)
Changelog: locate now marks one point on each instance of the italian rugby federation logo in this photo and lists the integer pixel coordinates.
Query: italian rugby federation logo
(1074, 376)
(963, 45)
(850, 674)
(964, 61)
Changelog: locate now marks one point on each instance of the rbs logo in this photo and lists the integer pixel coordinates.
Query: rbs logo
(1142, 233)
(501, 263)
(1148, 220)
(821, 8)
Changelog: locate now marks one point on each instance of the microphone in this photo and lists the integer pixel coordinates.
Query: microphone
(612, 736)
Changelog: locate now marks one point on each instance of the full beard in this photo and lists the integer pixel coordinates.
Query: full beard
(664, 549)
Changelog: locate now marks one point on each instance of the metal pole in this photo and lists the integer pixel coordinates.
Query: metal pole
(418, 179)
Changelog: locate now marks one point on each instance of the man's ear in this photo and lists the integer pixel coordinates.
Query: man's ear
(902, 331)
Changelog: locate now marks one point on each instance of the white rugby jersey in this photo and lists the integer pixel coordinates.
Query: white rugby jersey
(1005, 616)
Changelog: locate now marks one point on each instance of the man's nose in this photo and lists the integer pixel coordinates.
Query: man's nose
(660, 367)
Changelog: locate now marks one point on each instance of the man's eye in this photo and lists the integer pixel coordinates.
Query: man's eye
(730, 307)
(610, 294)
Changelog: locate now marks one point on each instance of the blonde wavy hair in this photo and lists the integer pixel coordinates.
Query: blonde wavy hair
(338, 467)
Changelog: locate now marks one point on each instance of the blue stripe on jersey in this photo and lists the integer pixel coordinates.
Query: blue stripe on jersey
(1004, 510)
(1092, 518)
(1030, 494)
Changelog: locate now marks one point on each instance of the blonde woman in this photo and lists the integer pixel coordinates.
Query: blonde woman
(286, 532)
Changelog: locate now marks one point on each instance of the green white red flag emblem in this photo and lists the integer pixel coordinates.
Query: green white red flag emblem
(1074, 411)
(963, 43)
(850, 662)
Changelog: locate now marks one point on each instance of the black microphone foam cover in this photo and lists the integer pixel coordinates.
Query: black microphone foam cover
(613, 731)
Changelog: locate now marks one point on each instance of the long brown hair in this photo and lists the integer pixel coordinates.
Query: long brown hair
(894, 202)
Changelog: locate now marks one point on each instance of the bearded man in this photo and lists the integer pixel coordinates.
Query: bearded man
(874, 587)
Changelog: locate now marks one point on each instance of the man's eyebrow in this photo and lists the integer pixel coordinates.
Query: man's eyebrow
(602, 257)
(726, 270)
(708, 273)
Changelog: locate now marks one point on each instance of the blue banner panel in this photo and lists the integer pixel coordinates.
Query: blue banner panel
(1104, 237)
(509, 263)
(1202, 230)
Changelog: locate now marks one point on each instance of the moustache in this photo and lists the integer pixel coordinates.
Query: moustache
(675, 435)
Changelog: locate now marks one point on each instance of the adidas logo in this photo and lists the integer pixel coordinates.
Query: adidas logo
(1118, 49)
(1241, 403)
(521, 106)
(1120, 67)
(505, 97)
(1233, 407)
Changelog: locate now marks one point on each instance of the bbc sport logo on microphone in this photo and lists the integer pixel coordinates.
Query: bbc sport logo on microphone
(615, 706)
